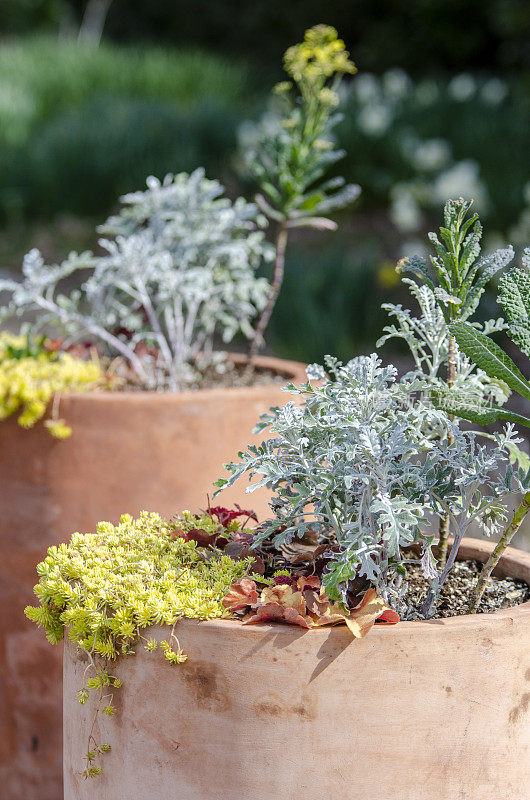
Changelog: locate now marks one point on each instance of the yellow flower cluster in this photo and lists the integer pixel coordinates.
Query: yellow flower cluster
(104, 587)
(320, 56)
(28, 382)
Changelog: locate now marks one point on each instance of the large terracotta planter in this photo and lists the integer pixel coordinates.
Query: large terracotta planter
(128, 452)
(420, 711)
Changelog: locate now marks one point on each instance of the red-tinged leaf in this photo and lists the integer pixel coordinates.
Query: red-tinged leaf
(308, 582)
(388, 617)
(221, 542)
(53, 345)
(243, 537)
(240, 595)
(283, 580)
(238, 551)
(200, 536)
(228, 515)
(317, 603)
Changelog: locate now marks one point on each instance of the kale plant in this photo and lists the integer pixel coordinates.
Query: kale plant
(178, 270)
(453, 281)
(289, 153)
(365, 460)
(514, 297)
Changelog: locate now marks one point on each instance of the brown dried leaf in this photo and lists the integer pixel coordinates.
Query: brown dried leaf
(279, 603)
(273, 612)
(283, 595)
(240, 595)
(359, 621)
(363, 617)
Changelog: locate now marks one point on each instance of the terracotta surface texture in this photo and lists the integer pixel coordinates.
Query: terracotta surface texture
(128, 452)
(420, 711)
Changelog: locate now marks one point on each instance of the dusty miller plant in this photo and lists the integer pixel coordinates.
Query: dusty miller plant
(365, 459)
(288, 154)
(178, 270)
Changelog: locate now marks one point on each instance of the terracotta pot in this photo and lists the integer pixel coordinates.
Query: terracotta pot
(128, 452)
(419, 711)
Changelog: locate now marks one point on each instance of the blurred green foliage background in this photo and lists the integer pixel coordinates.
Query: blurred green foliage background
(95, 96)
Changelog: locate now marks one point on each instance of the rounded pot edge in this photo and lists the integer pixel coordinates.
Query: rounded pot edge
(515, 563)
(294, 371)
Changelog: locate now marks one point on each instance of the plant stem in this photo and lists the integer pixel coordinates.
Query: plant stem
(517, 519)
(444, 521)
(277, 280)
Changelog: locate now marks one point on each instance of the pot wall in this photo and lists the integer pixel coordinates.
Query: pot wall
(419, 711)
(128, 452)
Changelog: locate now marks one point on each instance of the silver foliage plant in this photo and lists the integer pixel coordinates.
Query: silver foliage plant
(367, 458)
(178, 271)
(427, 336)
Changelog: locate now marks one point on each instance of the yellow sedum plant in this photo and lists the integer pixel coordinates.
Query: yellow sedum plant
(103, 588)
(29, 381)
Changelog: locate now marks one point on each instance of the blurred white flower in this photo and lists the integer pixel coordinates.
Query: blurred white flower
(414, 247)
(494, 91)
(404, 210)
(250, 132)
(427, 92)
(493, 240)
(462, 87)
(519, 234)
(396, 83)
(526, 193)
(374, 120)
(461, 180)
(17, 109)
(366, 88)
(431, 155)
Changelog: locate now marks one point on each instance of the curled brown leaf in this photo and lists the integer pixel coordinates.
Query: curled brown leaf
(240, 595)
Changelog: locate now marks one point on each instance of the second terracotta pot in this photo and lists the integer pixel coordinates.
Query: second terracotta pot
(128, 452)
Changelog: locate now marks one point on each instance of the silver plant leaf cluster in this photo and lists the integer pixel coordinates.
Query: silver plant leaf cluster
(178, 273)
(361, 454)
(427, 337)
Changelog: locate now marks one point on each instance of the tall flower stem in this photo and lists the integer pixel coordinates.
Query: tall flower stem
(517, 519)
(444, 521)
(277, 280)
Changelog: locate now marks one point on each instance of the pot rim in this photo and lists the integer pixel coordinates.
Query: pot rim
(470, 548)
(294, 371)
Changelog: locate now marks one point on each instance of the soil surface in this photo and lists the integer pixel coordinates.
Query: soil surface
(456, 592)
(236, 376)
(232, 377)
